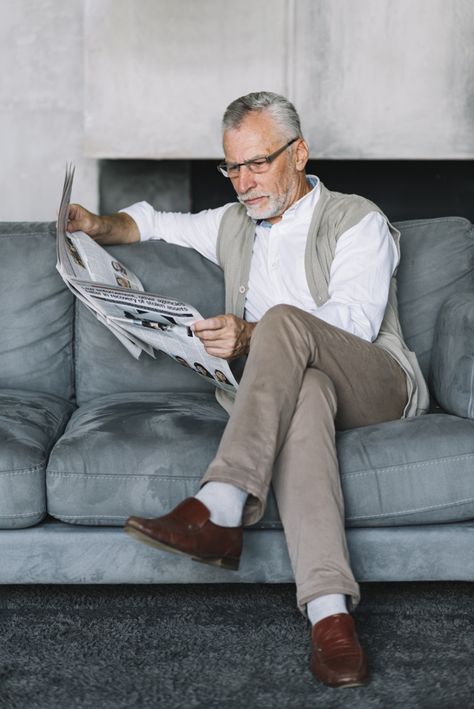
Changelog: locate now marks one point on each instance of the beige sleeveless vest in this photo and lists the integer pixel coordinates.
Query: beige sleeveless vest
(334, 214)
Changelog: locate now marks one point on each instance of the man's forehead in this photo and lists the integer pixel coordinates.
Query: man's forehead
(257, 134)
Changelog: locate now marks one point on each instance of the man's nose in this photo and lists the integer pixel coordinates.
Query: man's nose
(245, 181)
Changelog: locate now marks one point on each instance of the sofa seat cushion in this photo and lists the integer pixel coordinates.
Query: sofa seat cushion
(411, 471)
(30, 423)
(142, 454)
(139, 454)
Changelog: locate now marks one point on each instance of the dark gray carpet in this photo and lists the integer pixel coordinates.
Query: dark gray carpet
(226, 646)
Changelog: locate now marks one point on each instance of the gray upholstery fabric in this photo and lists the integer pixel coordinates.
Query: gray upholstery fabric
(103, 366)
(452, 364)
(126, 454)
(29, 425)
(60, 553)
(412, 471)
(437, 261)
(142, 454)
(36, 317)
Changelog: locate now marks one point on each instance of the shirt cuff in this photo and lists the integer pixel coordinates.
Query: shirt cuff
(142, 214)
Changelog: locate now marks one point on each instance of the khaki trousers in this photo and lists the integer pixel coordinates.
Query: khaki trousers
(302, 380)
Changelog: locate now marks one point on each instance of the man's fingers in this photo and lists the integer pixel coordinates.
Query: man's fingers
(219, 335)
(211, 335)
(201, 327)
(75, 211)
(80, 219)
(71, 227)
(216, 351)
(224, 335)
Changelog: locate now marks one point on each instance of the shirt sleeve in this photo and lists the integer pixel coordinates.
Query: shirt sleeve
(364, 262)
(197, 231)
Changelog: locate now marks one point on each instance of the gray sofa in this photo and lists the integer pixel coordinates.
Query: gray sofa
(89, 436)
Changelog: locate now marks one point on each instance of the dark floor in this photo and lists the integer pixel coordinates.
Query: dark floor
(230, 646)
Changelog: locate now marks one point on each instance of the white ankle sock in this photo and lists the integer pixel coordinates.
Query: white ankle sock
(224, 501)
(323, 606)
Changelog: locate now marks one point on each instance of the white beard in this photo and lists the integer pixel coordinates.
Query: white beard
(273, 208)
(275, 205)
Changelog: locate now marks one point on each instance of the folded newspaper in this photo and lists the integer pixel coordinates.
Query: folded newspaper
(143, 322)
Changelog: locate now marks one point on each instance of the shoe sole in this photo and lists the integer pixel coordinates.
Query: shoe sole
(340, 685)
(365, 679)
(229, 563)
(347, 685)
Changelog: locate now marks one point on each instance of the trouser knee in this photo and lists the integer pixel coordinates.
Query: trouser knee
(277, 320)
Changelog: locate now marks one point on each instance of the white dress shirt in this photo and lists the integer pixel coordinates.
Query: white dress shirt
(364, 262)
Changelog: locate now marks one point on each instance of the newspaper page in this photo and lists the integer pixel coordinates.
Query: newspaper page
(143, 322)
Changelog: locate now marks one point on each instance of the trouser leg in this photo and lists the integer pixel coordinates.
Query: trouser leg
(307, 488)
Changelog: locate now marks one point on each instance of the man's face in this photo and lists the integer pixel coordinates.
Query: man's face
(265, 195)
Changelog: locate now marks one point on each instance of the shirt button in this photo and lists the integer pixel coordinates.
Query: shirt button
(242, 289)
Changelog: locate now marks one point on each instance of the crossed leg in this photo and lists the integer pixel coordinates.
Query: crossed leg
(304, 378)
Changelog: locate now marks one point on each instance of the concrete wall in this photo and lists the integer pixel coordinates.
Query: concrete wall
(387, 79)
(160, 73)
(41, 108)
(371, 78)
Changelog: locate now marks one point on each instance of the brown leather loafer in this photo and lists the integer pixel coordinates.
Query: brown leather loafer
(187, 529)
(337, 658)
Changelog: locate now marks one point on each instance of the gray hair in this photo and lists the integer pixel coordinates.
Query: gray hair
(281, 110)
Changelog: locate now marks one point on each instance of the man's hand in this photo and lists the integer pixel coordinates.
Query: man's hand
(114, 229)
(225, 336)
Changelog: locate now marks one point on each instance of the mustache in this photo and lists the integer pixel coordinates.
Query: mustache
(243, 196)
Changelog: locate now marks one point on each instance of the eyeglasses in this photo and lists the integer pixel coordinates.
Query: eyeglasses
(232, 169)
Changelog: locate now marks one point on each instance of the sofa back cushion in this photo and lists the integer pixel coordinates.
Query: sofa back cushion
(36, 314)
(437, 261)
(103, 365)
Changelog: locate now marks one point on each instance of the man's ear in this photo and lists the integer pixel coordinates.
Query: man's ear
(301, 154)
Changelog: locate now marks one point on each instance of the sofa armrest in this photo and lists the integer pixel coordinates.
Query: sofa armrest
(452, 362)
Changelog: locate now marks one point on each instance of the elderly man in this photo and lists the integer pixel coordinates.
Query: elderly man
(311, 303)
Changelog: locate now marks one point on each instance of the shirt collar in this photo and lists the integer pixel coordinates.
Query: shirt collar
(307, 202)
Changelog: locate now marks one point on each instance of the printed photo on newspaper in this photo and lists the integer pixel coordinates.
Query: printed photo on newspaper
(142, 322)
